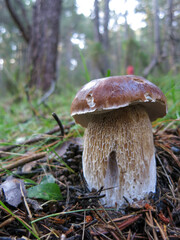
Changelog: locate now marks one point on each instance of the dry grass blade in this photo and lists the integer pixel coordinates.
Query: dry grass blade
(114, 235)
(17, 217)
(114, 224)
(34, 226)
(161, 230)
(128, 222)
(13, 154)
(84, 225)
(166, 149)
(129, 235)
(169, 180)
(122, 218)
(149, 221)
(35, 139)
(6, 222)
(23, 161)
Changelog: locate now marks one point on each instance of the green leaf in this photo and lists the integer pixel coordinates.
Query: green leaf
(46, 191)
(48, 179)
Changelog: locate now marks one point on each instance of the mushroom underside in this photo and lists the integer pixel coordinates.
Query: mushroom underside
(119, 155)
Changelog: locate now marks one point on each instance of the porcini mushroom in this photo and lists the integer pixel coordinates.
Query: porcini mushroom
(119, 152)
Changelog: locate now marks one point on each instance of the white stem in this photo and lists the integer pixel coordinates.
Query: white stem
(119, 154)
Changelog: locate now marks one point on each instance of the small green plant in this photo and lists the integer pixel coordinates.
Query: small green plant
(47, 189)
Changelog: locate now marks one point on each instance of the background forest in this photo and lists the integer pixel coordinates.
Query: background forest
(48, 49)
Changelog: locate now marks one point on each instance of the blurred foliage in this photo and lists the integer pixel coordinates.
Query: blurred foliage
(78, 54)
(170, 85)
(133, 51)
(127, 46)
(17, 119)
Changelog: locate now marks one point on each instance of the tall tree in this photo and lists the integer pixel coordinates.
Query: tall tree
(157, 43)
(171, 36)
(43, 42)
(157, 40)
(42, 39)
(102, 37)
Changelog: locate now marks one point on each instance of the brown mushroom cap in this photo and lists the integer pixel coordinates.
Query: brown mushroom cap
(107, 94)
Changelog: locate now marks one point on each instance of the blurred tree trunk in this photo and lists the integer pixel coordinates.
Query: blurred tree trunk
(157, 42)
(127, 60)
(41, 37)
(98, 36)
(106, 23)
(102, 37)
(126, 30)
(157, 39)
(43, 43)
(171, 39)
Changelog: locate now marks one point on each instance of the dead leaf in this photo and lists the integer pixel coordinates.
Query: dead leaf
(11, 189)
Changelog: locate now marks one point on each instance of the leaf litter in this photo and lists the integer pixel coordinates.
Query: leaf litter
(51, 200)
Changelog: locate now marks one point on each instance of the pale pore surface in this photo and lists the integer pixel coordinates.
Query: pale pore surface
(119, 154)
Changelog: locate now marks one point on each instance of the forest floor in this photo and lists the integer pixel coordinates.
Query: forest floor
(44, 196)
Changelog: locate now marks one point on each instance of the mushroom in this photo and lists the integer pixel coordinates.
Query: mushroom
(119, 152)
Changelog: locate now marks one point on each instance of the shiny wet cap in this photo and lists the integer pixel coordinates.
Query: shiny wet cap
(111, 93)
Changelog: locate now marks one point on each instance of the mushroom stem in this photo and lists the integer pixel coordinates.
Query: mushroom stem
(119, 154)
